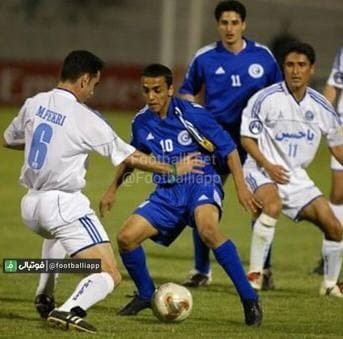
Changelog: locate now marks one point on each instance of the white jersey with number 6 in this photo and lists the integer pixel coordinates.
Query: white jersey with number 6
(59, 132)
(289, 132)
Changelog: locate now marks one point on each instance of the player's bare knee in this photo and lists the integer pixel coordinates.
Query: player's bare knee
(124, 240)
(273, 209)
(210, 235)
(335, 232)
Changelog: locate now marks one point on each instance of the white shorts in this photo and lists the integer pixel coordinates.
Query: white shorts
(295, 195)
(63, 216)
(335, 165)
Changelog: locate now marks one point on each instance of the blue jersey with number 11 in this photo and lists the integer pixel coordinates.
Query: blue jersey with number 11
(230, 79)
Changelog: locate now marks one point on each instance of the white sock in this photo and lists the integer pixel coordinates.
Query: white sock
(51, 249)
(89, 291)
(338, 211)
(332, 252)
(262, 237)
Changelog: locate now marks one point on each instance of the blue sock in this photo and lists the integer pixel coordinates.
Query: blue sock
(201, 254)
(227, 256)
(134, 262)
(268, 262)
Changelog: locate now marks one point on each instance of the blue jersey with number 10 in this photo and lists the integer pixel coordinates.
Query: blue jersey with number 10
(230, 79)
(168, 139)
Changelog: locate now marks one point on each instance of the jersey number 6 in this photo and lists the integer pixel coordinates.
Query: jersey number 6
(41, 137)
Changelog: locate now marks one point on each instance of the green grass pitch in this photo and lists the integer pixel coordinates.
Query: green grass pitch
(293, 310)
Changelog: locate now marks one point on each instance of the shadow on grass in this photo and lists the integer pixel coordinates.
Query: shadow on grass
(16, 316)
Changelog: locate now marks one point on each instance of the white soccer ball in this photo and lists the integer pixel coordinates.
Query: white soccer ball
(172, 302)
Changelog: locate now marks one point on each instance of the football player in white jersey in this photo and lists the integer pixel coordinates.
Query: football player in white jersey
(281, 130)
(57, 131)
(333, 91)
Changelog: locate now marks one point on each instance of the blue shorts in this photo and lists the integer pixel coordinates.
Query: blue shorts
(171, 207)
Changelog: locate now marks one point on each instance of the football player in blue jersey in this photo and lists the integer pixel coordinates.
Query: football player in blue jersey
(168, 128)
(230, 71)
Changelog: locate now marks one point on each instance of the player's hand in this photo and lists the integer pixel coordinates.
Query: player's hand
(190, 163)
(277, 173)
(248, 201)
(106, 202)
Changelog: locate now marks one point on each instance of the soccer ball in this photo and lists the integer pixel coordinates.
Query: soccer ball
(172, 302)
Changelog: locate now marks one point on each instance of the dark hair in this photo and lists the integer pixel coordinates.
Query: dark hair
(230, 6)
(158, 70)
(78, 63)
(301, 48)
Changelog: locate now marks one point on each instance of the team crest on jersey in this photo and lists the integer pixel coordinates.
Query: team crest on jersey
(255, 127)
(309, 115)
(184, 138)
(256, 71)
(338, 77)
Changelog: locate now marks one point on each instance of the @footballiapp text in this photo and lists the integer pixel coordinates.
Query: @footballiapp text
(51, 265)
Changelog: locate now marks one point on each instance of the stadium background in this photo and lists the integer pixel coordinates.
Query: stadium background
(128, 34)
(35, 36)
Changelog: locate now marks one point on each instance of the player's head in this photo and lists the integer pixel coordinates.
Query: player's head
(298, 59)
(81, 69)
(230, 16)
(157, 87)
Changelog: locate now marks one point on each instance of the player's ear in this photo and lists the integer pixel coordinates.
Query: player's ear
(84, 80)
(170, 91)
(313, 69)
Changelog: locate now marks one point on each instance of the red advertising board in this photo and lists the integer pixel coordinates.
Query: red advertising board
(119, 87)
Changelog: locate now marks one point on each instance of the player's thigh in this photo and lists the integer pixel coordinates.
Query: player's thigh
(336, 195)
(134, 231)
(206, 218)
(105, 253)
(320, 213)
(269, 196)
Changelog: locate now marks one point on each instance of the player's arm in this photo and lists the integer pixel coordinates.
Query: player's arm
(108, 198)
(190, 163)
(337, 152)
(244, 195)
(276, 172)
(14, 135)
(330, 92)
(18, 147)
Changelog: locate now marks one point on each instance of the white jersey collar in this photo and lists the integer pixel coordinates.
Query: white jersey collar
(66, 93)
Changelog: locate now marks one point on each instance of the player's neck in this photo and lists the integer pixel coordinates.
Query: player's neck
(298, 93)
(69, 87)
(235, 47)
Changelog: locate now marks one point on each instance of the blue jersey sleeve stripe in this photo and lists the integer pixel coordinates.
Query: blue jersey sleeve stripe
(263, 95)
(322, 102)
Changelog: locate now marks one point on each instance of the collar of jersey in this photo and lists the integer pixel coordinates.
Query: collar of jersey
(288, 91)
(246, 46)
(66, 93)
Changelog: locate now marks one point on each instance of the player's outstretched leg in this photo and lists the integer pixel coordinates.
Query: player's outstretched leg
(267, 275)
(262, 237)
(227, 256)
(69, 320)
(44, 299)
(332, 254)
(201, 274)
(92, 289)
(134, 262)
